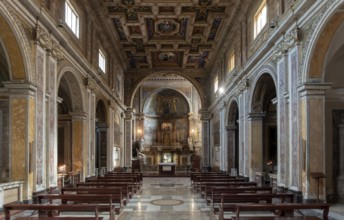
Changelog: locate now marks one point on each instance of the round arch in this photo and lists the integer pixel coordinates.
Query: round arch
(101, 112)
(266, 71)
(155, 91)
(187, 77)
(16, 44)
(319, 41)
(71, 81)
(232, 111)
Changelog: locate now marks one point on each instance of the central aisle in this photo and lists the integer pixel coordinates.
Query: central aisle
(168, 199)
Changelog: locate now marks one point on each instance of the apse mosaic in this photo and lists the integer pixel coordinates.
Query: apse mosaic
(175, 34)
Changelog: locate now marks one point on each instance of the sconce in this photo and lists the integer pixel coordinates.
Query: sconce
(139, 132)
(62, 168)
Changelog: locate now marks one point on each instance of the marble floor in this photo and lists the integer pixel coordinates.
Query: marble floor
(166, 198)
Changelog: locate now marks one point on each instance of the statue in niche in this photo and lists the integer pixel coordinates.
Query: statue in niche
(137, 150)
(190, 144)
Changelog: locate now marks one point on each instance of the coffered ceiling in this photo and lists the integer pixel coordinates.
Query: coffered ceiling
(168, 34)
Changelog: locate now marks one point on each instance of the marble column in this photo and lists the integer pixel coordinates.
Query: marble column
(22, 134)
(255, 143)
(89, 151)
(223, 138)
(206, 151)
(310, 156)
(282, 121)
(110, 136)
(51, 115)
(128, 128)
(294, 177)
(40, 151)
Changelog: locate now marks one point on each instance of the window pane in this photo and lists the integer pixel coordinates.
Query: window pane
(72, 19)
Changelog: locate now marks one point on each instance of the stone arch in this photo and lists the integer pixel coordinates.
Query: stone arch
(101, 113)
(155, 91)
(319, 41)
(16, 44)
(264, 86)
(70, 83)
(193, 81)
(70, 120)
(263, 123)
(233, 111)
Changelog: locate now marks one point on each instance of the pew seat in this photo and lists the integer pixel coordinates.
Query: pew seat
(52, 209)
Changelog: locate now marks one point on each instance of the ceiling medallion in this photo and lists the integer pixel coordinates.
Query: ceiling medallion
(167, 27)
(166, 56)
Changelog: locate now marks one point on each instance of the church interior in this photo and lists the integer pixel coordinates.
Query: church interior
(169, 89)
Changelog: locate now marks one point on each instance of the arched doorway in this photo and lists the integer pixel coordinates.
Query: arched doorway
(233, 138)
(264, 125)
(101, 136)
(4, 118)
(334, 65)
(167, 116)
(70, 124)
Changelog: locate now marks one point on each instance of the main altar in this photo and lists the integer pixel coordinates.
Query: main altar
(167, 168)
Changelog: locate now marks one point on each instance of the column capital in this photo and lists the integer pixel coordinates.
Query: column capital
(90, 83)
(78, 115)
(128, 113)
(20, 88)
(205, 115)
(231, 127)
(313, 89)
(253, 116)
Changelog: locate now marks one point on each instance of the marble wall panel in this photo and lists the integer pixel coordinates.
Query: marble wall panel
(283, 148)
(77, 145)
(128, 146)
(40, 117)
(293, 110)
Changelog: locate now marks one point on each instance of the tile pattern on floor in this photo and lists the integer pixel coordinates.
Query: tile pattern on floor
(166, 188)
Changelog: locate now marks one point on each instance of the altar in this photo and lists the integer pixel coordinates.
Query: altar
(167, 168)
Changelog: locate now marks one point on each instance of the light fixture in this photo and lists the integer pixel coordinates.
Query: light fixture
(221, 90)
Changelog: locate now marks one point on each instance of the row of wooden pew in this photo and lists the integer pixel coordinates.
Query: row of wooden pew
(109, 193)
(230, 196)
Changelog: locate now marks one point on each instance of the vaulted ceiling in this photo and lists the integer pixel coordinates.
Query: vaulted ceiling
(169, 34)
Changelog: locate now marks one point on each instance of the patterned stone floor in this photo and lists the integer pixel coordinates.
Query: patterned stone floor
(169, 198)
(166, 198)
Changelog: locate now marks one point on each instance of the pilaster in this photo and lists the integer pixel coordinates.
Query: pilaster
(311, 154)
(128, 127)
(223, 138)
(255, 143)
(206, 151)
(22, 133)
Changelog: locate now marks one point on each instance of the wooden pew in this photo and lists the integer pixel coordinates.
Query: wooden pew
(127, 190)
(53, 208)
(133, 187)
(116, 193)
(216, 193)
(276, 218)
(284, 209)
(130, 179)
(198, 185)
(59, 218)
(79, 198)
(206, 188)
(229, 201)
(138, 176)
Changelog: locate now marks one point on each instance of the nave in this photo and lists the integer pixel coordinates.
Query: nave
(175, 198)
